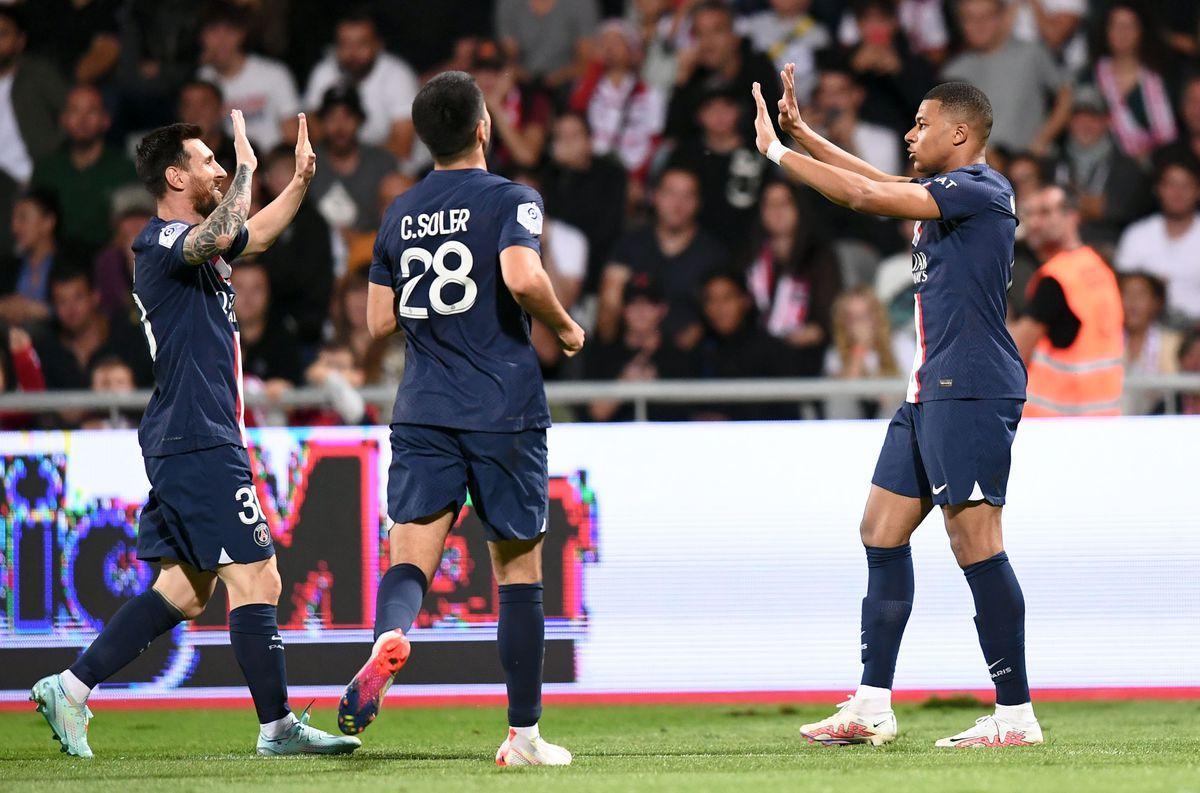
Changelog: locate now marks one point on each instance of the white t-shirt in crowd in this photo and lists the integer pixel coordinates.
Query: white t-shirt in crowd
(265, 93)
(1075, 52)
(568, 248)
(788, 40)
(922, 21)
(14, 157)
(1145, 246)
(879, 146)
(387, 93)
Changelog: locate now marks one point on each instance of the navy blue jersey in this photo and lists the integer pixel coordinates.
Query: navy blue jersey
(962, 268)
(187, 314)
(469, 363)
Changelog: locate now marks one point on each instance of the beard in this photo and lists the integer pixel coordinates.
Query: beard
(206, 203)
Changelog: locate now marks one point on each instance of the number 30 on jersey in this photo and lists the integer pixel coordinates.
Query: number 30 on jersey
(443, 275)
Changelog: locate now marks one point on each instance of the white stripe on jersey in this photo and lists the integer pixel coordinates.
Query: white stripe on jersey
(146, 327)
(914, 385)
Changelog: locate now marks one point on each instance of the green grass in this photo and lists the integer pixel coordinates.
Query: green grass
(1127, 746)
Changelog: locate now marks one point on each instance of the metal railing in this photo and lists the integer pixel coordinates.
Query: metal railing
(641, 394)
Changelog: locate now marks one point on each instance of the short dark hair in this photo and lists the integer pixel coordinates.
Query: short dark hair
(45, 200)
(66, 273)
(359, 15)
(14, 14)
(445, 114)
(967, 101)
(1184, 163)
(223, 12)
(1158, 287)
(720, 6)
(161, 149)
(207, 85)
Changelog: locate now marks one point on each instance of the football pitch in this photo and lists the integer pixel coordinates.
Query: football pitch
(1130, 747)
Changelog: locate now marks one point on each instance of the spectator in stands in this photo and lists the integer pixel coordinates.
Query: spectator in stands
(81, 334)
(269, 350)
(793, 275)
(1112, 187)
(574, 171)
(862, 348)
(385, 83)
(32, 95)
(625, 113)
(159, 46)
(346, 187)
(787, 33)
(547, 40)
(520, 114)
(731, 176)
(111, 375)
(25, 277)
(85, 172)
(20, 370)
(337, 371)
(1057, 24)
(665, 30)
(381, 360)
(1016, 76)
(79, 36)
(717, 57)
(1071, 334)
(262, 88)
(734, 346)
(1187, 145)
(1167, 244)
(113, 266)
(201, 103)
(1027, 174)
(1127, 73)
(922, 24)
(893, 78)
(640, 351)
(1189, 361)
(674, 251)
(300, 263)
(836, 115)
(564, 258)
(1151, 348)
(10, 191)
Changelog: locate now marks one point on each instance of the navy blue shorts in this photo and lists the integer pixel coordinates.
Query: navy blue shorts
(203, 510)
(505, 473)
(950, 450)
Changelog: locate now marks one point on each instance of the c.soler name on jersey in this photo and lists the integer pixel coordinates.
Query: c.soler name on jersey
(446, 221)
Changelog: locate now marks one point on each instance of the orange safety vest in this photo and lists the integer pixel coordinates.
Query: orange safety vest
(1086, 378)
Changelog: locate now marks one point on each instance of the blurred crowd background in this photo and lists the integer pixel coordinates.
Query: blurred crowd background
(670, 238)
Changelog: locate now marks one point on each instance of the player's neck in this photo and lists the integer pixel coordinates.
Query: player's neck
(473, 160)
(964, 161)
(178, 208)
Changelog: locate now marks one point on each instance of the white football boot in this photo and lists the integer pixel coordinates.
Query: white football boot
(849, 726)
(995, 731)
(519, 749)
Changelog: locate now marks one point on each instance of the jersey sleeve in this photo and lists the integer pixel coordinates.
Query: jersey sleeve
(172, 235)
(239, 244)
(960, 194)
(521, 219)
(380, 271)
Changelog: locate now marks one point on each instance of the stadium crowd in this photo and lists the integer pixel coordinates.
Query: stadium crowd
(669, 237)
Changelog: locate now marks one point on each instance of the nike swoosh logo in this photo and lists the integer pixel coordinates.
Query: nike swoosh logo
(991, 665)
(938, 490)
(880, 724)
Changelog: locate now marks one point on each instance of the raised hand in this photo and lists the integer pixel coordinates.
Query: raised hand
(789, 111)
(306, 159)
(764, 129)
(241, 144)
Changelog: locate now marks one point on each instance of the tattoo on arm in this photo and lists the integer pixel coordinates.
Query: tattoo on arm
(220, 229)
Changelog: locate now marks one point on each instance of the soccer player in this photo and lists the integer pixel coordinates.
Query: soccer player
(457, 266)
(202, 520)
(949, 443)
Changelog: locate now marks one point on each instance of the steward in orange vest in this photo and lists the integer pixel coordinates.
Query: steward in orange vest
(1072, 339)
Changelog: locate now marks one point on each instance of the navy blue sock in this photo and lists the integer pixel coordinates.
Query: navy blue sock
(1000, 620)
(130, 631)
(254, 634)
(521, 637)
(885, 612)
(398, 599)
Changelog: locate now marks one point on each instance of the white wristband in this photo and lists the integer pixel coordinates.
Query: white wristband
(776, 151)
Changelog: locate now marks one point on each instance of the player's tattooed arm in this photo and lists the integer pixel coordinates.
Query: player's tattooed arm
(218, 231)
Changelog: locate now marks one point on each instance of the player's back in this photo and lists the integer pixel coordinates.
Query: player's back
(469, 363)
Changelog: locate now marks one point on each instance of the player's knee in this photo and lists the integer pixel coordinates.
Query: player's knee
(190, 605)
(268, 586)
(879, 535)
